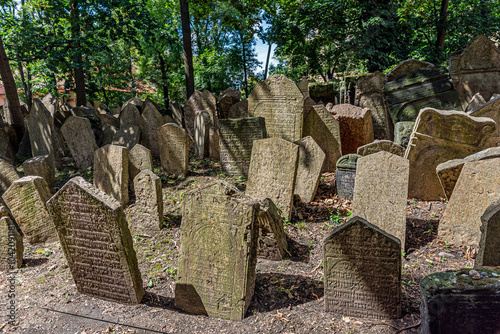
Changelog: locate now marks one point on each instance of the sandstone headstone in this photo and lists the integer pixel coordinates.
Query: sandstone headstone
(202, 134)
(356, 126)
(345, 175)
(174, 149)
(489, 244)
(381, 145)
(96, 242)
(362, 267)
(311, 160)
(272, 238)
(26, 199)
(227, 99)
(281, 103)
(149, 103)
(80, 140)
(139, 159)
(380, 192)
(167, 119)
(41, 166)
(477, 187)
(236, 138)
(127, 136)
(8, 174)
(129, 116)
(490, 110)
(323, 91)
(41, 128)
(308, 104)
(6, 149)
(177, 113)
(476, 101)
(149, 121)
(51, 102)
(135, 101)
(148, 202)
(197, 102)
(239, 110)
(108, 134)
(111, 172)
(108, 119)
(273, 171)
(406, 66)
(11, 245)
(402, 133)
(303, 85)
(217, 280)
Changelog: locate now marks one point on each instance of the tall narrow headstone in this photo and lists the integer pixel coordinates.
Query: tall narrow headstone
(356, 126)
(149, 121)
(402, 132)
(196, 103)
(96, 242)
(111, 172)
(8, 174)
(345, 175)
(11, 245)
(177, 113)
(148, 202)
(139, 159)
(80, 140)
(227, 99)
(311, 160)
(239, 110)
(41, 166)
(489, 244)
(41, 129)
(202, 134)
(129, 116)
(174, 149)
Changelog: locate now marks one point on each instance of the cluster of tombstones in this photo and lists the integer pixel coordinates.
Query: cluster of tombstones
(281, 140)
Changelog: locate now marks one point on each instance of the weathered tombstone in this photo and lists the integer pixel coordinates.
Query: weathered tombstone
(303, 85)
(8, 174)
(489, 244)
(325, 130)
(311, 160)
(370, 94)
(456, 301)
(272, 172)
(239, 110)
(362, 267)
(345, 175)
(476, 69)
(129, 116)
(477, 187)
(80, 140)
(236, 138)
(402, 133)
(406, 66)
(96, 242)
(26, 199)
(108, 133)
(439, 136)
(108, 119)
(308, 104)
(177, 113)
(174, 149)
(227, 99)
(322, 91)
(11, 245)
(356, 126)
(201, 134)
(281, 103)
(51, 102)
(381, 145)
(449, 171)
(149, 121)
(197, 102)
(41, 129)
(127, 136)
(148, 202)
(139, 159)
(272, 238)
(218, 281)
(167, 119)
(6, 149)
(149, 103)
(135, 101)
(111, 172)
(380, 192)
(41, 166)
(476, 101)
(490, 110)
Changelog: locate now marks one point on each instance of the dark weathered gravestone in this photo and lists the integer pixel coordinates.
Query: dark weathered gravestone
(218, 255)
(197, 102)
(345, 175)
(149, 122)
(127, 136)
(227, 99)
(129, 116)
(41, 128)
(381, 145)
(108, 133)
(80, 140)
(490, 110)
(11, 244)
(236, 138)
(202, 134)
(489, 244)
(135, 101)
(174, 149)
(311, 160)
(8, 174)
(356, 126)
(455, 302)
(139, 159)
(111, 172)
(272, 238)
(476, 101)
(41, 166)
(362, 267)
(6, 149)
(177, 113)
(406, 66)
(96, 242)
(402, 133)
(239, 110)
(148, 202)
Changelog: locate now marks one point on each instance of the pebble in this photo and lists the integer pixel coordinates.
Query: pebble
(474, 274)
(494, 274)
(447, 255)
(464, 275)
(484, 274)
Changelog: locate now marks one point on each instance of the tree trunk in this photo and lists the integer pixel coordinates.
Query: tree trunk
(441, 28)
(166, 100)
(244, 64)
(105, 95)
(81, 99)
(188, 52)
(11, 92)
(29, 98)
(267, 60)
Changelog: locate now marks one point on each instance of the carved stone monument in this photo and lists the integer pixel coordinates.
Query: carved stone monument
(202, 134)
(111, 172)
(41, 166)
(381, 145)
(127, 136)
(149, 121)
(148, 202)
(402, 132)
(356, 126)
(174, 149)
(11, 245)
(129, 116)
(8, 174)
(272, 238)
(139, 159)
(489, 244)
(345, 175)
(80, 139)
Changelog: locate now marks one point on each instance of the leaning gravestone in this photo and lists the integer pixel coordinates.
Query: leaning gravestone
(217, 280)
(439, 136)
(41, 166)
(174, 149)
(402, 133)
(51, 102)
(108, 133)
(148, 202)
(477, 187)
(380, 192)
(273, 171)
(362, 267)
(356, 126)
(381, 145)
(406, 66)
(311, 160)
(272, 238)
(127, 136)
(8, 174)
(236, 138)
(177, 113)
(198, 102)
(11, 245)
(281, 103)
(6, 149)
(325, 130)
(239, 110)
(489, 244)
(490, 110)
(129, 116)
(227, 99)
(476, 101)
(149, 121)
(111, 172)
(96, 242)
(202, 134)
(345, 175)
(80, 139)
(26, 199)
(139, 159)
(41, 129)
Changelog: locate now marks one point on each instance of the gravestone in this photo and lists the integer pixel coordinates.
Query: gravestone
(311, 160)
(148, 202)
(273, 171)
(370, 95)
(402, 133)
(198, 102)
(149, 103)
(356, 126)
(217, 281)
(127, 136)
(177, 113)
(439, 136)
(477, 187)
(489, 244)
(111, 172)
(174, 149)
(26, 199)
(272, 237)
(6, 149)
(11, 245)
(135, 101)
(139, 159)
(345, 175)
(80, 140)
(8, 174)
(149, 121)
(236, 138)
(303, 85)
(108, 134)
(362, 266)
(381, 145)
(476, 69)
(51, 102)
(129, 116)
(325, 130)
(281, 103)
(380, 192)
(406, 66)
(308, 104)
(449, 171)
(41, 166)
(96, 242)
(490, 110)
(227, 99)
(476, 101)
(239, 110)
(454, 302)
(202, 134)
(41, 129)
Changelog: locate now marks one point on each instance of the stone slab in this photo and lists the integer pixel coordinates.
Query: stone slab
(148, 203)
(139, 159)
(174, 149)
(8, 174)
(80, 139)
(311, 160)
(111, 172)
(489, 244)
(41, 166)
(11, 245)
(356, 126)
(345, 175)
(273, 244)
(381, 145)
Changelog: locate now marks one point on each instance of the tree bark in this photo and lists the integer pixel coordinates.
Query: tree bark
(166, 100)
(188, 52)
(244, 64)
(81, 99)
(441, 28)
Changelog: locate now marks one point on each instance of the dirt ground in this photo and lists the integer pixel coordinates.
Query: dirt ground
(288, 294)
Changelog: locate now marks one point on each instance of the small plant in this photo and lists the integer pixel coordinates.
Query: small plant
(335, 217)
(301, 225)
(172, 272)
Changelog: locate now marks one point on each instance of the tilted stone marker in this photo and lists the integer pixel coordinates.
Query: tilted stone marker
(239, 110)
(6, 149)
(149, 121)
(356, 126)
(476, 101)
(489, 244)
(11, 245)
(174, 149)
(148, 202)
(406, 66)
(218, 255)
(202, 134)
(381, 145)
(80, 140)
(26, 199)
(490, 110)
(345, 175)
(227, 99)
(41, 166)
(381, 192)
(362, 266)
(177, 113)
(272, 238)
(108, 133)
(127, 136)
(311, 160)
(454, 302)
(236, 138)
(477, 187)
(41, 129)
(8, 174)
(402, 132)
(273, 171)
(96, 242)
(129, 116)
(111, 172)
(139, 159)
